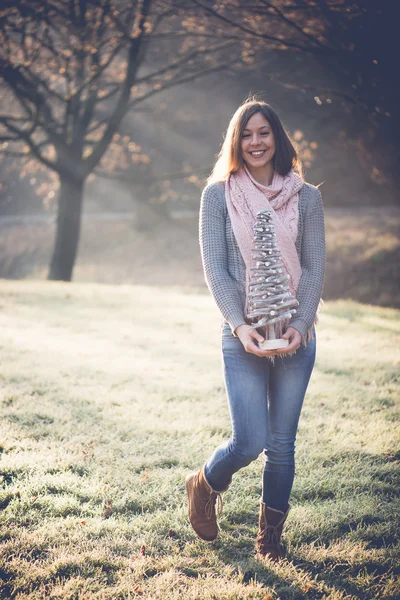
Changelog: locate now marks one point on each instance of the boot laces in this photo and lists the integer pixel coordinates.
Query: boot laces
(269, 535)
(209, 507)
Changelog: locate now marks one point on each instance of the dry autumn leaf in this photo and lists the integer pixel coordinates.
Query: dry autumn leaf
(137, 589)
(107, 509)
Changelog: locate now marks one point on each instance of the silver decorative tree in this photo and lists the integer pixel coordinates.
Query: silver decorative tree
(270, 301)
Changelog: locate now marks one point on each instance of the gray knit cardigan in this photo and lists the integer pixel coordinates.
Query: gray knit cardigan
(224, 268)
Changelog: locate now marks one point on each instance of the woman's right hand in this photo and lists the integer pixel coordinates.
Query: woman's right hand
(247, 335)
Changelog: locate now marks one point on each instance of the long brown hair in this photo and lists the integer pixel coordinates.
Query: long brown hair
(230, 158)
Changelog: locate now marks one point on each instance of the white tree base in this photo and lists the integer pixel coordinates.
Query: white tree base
(273, 344)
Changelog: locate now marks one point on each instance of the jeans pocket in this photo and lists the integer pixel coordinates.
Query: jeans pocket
(229, 342)
(226, 332)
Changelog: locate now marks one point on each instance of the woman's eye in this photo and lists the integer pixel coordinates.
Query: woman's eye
(247, 135)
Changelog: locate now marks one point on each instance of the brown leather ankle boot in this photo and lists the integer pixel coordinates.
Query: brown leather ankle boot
(271, 523)
(202, 500)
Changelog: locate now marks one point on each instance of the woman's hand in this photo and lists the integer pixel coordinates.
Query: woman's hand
(247, 335)
(294, 338)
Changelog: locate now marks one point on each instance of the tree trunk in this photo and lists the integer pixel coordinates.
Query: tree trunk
(68, 229)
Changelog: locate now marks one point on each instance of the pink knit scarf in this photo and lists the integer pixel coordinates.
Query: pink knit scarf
(245, 197)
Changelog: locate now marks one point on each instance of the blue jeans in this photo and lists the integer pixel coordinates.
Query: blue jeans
(265, 401)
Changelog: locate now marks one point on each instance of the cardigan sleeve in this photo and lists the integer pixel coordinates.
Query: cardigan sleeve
(313, 254)
(214, 255)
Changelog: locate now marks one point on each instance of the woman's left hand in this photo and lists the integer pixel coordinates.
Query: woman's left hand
(294, 338)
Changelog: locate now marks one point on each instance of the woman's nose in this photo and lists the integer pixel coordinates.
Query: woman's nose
(255, 139)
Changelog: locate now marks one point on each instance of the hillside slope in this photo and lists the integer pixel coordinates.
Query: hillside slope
(362, 262)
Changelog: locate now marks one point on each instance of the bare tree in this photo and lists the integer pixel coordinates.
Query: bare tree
(72, 69)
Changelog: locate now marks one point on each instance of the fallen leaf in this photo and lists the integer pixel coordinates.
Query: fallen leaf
(137, 589)
(143, 550)
(171, 533)
(391, 457)
(107, 509)
(306, 588)
(83, 522)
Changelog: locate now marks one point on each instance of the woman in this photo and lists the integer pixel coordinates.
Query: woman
(258, 165)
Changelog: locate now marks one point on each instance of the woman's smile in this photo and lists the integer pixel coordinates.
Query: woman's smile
(257, 153)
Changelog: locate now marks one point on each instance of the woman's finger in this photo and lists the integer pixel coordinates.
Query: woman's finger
(250, 346)
(254, 349)
(255, 335)
(293, 345)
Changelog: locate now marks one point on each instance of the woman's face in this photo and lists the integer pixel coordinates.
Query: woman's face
(258, 143)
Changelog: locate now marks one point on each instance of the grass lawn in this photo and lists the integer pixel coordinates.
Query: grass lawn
(111, 395)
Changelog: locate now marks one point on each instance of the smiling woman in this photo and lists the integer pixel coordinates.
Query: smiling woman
(254, 127)
(258, 171)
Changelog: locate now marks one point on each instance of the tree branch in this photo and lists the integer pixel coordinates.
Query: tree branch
(253, 33)
(134, 61)
(175, 82)
(292, 24)
(23, 88)
(183, 60)
(26, 136)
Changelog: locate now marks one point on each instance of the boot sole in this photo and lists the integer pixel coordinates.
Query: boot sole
(204, 539)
